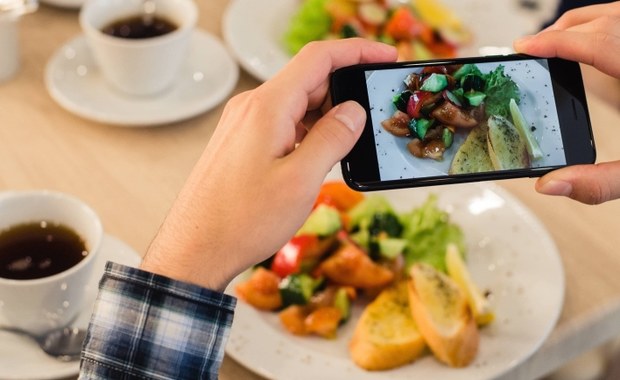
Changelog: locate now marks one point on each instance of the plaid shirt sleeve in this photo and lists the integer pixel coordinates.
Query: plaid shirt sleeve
(146, 326)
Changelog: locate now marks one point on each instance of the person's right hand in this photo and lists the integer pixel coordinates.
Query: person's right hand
(590, 35)
(259, 175)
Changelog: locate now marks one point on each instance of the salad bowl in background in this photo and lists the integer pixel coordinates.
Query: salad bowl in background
(255, 29)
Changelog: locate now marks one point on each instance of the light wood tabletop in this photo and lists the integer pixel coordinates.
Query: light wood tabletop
(131, 175)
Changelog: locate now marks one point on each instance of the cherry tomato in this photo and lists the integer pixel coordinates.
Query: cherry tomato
(403, 25)
(338, 195)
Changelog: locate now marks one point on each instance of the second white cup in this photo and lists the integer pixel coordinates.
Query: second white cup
(41, 304)
(146, 66)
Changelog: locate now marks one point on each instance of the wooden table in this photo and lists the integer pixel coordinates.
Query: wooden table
(131, 176)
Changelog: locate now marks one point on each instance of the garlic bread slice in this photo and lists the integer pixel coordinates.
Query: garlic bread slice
(386, 335)
(506, 147)
(473, 155)
(441, 312)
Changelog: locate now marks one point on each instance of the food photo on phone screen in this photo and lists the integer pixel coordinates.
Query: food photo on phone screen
(463, 120)
(442, 120)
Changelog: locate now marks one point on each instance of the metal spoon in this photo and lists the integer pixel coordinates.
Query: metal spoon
(64, 344)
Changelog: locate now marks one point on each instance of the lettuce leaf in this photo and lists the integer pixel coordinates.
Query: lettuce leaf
(499, 88)
(310, 23)
(429, 231)
(425, 230)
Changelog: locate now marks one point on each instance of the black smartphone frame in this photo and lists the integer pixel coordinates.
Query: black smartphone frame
(360, 168)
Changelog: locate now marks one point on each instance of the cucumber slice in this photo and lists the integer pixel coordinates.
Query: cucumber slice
(434, 83)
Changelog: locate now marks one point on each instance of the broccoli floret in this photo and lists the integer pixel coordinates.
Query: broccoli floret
(361, 215)
(385, 222)
(382, 225)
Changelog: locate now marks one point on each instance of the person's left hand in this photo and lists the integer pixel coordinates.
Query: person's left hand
(253, 188)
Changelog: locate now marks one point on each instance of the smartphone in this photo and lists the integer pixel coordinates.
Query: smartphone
(463, 120)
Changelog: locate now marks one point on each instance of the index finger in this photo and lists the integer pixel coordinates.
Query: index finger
(585, 14)
(303, 83)
(595, 43)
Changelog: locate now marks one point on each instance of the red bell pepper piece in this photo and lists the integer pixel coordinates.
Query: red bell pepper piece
(301, 253)
(288, 259)
(416, 102)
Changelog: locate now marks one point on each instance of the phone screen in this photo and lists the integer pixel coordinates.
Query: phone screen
(442, 120)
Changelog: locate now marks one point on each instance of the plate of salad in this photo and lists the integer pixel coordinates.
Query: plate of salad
(264, 34)
(509, 255)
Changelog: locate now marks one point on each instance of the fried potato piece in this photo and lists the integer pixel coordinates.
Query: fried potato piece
(351, 266)
(261, 290)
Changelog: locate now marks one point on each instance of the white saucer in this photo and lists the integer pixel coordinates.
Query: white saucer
(69, 4)
(21, 358)
(207, 78)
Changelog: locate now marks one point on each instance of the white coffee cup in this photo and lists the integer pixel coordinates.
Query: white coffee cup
(9, 47)
(43, 304)
(138, 66)
(11, 12)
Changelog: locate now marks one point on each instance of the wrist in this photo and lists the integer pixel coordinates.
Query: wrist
(172, 256)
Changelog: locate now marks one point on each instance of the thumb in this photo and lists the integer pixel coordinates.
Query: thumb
(331, 138)
(590, 184)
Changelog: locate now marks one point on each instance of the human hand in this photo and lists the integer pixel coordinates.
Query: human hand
(257, 179)
(590, 35)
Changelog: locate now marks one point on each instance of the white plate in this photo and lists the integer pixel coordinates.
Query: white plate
(254, 28)
(21, 358)
(69, 4)
(206, 79)
(510, 253)
(537, 105)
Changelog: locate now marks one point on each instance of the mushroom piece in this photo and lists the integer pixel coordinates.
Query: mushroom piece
(398, 124)
(451, 114)
(431, 149)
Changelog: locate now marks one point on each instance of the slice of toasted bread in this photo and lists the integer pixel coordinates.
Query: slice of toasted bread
(473, 155)
(441, 312)
(385, 335)
(506, 148)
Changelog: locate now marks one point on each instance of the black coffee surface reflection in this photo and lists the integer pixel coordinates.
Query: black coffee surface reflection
(137, 27)
(36, 250)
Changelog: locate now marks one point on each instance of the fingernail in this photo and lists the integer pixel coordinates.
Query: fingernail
(550, 27)
(555, 187)
(351, 114)
(389, 49)
(523, 40)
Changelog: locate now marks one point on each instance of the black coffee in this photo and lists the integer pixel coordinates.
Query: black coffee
(35, 250)
(136, 27)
